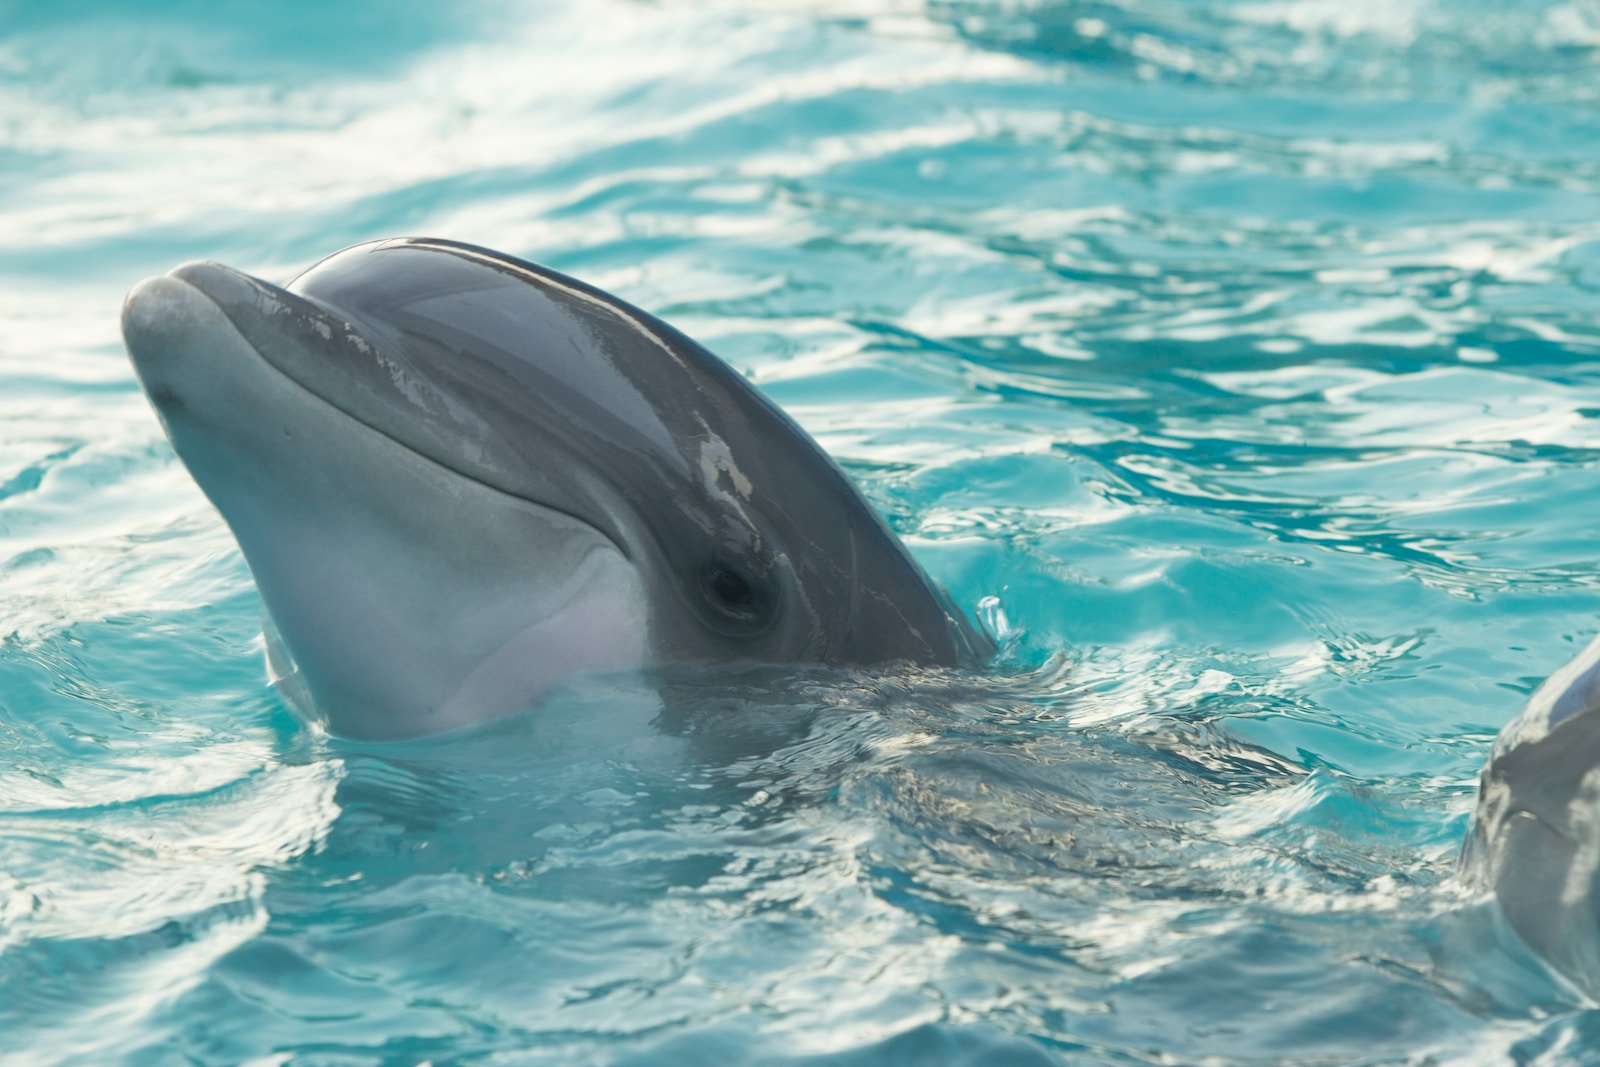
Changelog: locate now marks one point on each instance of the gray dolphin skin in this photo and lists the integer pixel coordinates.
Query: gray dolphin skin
(1535, 839)
(459, 478)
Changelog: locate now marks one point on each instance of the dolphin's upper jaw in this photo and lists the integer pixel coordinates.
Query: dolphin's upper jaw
(177, 334)
(189, 304)
(412, 598)
(377, 382)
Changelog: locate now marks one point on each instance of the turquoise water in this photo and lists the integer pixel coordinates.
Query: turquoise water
(1246, 352)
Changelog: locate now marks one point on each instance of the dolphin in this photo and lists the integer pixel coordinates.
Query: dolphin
(459, 478)
(1535, 838)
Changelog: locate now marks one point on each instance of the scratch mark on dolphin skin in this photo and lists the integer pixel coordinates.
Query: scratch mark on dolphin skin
(716, 458)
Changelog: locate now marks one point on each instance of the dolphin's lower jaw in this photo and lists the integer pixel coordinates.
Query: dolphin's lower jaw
(411, 599)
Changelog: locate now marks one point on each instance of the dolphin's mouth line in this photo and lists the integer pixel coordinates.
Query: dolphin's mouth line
(344, 412)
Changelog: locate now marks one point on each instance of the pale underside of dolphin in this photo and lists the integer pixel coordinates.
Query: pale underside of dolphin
(459, 478)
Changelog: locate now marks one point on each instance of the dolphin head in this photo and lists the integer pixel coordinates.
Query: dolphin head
(1535, 838)
(458, 477)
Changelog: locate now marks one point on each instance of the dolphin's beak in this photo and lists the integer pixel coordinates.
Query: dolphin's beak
(159, 315)
(256, 308)
(161, 312)
(175, 333)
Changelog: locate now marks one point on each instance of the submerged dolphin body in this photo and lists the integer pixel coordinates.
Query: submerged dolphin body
(1535, 839)
(458, 477)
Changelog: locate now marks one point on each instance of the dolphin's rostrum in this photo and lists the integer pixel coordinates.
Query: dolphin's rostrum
(458, 477)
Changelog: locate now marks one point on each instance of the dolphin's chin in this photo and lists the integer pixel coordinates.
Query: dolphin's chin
(596, 631)
(405, 597)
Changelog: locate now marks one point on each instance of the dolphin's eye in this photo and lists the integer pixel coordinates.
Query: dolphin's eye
(730, 589)
(734, 594)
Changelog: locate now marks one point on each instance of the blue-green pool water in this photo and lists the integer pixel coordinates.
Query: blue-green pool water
(1245, 350)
